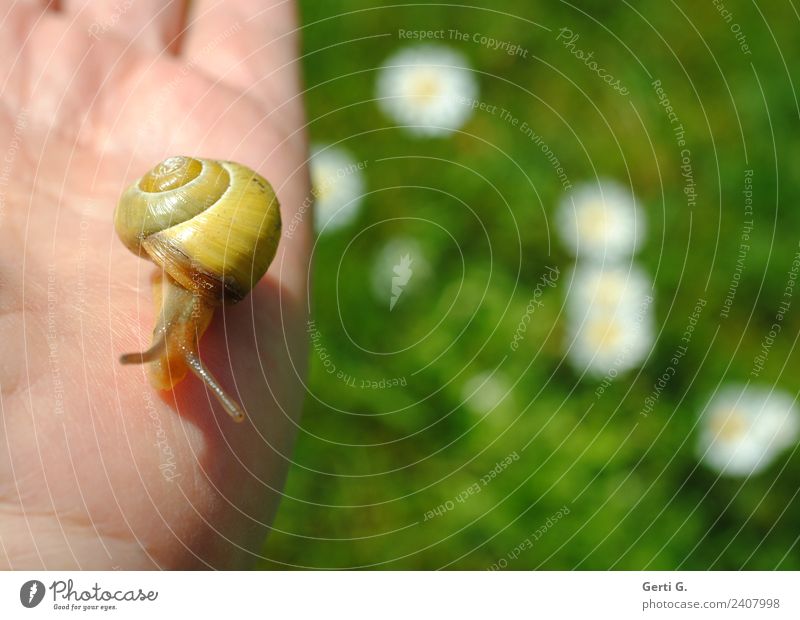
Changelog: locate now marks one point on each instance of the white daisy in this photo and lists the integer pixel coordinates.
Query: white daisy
(604, 343)
(483, 393)
(744, 428)
(429, 89)
(609, 319)
(601, 221)
(337, 185)
(617, 290)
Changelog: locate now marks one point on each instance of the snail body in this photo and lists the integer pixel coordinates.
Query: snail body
(213, 228)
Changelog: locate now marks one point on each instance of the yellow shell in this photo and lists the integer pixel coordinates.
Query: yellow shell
(213, 226)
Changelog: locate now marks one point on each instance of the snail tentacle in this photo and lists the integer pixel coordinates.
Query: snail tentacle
(183, 319)
(155, 351)
(204, 374)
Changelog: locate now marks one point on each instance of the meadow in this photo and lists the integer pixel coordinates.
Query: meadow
(444, 425)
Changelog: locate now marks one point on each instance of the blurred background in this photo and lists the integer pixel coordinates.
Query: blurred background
(553, 322)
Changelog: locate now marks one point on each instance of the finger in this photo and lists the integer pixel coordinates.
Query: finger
(50, 5)
(253, 47)
(30, 10)
(155, 25)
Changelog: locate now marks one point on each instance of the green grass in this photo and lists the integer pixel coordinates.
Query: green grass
(371, 462)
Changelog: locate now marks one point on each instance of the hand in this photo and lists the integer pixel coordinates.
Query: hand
(97, 469)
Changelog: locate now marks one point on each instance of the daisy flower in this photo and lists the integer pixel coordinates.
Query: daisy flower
(604, 343)
(337, 185)
(428, 89)
(601, 221)
(613, 289)
(484, 392)
(609, 320)
(744, 428)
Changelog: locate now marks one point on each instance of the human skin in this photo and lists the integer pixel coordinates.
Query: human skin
(97, 469)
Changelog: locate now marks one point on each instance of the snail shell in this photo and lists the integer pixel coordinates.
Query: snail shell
(213, 228)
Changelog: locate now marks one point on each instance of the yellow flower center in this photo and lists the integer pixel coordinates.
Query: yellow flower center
(425, 86)
(610, 289)
(593, 221)
(604, 334)
(728, 424)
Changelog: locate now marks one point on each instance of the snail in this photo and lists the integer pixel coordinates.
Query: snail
(213, 229)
